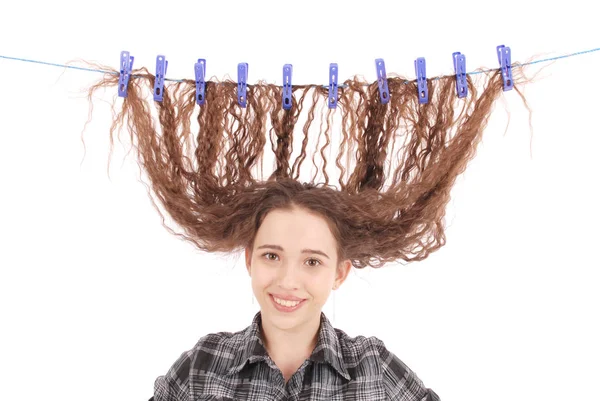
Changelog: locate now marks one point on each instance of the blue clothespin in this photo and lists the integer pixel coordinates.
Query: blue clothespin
(126, 66)
(333, 85)
(200, 70)
(287, 86)
(460, 69)
(242, 83)
(384, 93)
(159, 81)
(421, 80)
(505, 66)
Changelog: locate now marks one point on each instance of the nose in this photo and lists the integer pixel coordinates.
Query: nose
(289, 276)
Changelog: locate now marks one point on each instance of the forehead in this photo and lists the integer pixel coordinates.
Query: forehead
(295, 228)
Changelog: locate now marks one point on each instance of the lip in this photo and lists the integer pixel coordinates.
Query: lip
(287, 298)
(282, 308)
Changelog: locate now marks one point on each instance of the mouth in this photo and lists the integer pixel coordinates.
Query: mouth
(283, 308)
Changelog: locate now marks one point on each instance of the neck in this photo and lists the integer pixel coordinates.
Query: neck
(292, 345)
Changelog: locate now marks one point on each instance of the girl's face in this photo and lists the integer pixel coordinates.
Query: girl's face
(294, 255)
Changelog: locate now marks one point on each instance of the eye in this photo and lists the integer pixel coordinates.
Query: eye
(316, 260)
(268, 253)
(313, 259)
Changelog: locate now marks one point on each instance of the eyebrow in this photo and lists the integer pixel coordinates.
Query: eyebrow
(303, 251)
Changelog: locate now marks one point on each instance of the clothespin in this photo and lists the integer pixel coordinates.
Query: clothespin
(384, 93)
(125, 74)
(287, 86)
(200, 70)
(242, 83)
(421, 80)
(505, 66)
(460, 69)
(159, 81)
(333, 85)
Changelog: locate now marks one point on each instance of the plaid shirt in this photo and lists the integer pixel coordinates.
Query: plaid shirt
(235, 366)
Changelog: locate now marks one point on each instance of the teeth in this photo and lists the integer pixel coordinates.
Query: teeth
(286, 303)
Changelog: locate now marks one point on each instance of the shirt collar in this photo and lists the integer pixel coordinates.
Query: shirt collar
(251, 347)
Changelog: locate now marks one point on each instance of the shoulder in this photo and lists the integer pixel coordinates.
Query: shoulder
(401, 382)
(207, 354)
(213, 351)
(357, 349)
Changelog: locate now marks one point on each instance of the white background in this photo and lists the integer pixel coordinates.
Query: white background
(97, 299)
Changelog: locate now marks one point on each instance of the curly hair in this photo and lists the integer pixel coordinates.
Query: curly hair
(376, 216)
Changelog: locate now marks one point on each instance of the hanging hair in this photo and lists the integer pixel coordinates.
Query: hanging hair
(389, 205)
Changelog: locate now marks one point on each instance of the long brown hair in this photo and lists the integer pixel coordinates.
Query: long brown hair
(204, 180)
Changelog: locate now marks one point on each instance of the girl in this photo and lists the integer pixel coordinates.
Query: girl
(301, 239)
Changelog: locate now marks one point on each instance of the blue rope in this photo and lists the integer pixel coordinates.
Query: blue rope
(324, 86)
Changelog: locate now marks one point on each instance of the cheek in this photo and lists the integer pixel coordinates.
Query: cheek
(261, 278)
(318, 286)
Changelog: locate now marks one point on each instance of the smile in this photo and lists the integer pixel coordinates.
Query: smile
(288, 306)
